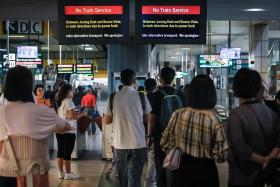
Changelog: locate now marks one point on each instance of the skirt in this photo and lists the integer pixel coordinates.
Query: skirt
(195, 172)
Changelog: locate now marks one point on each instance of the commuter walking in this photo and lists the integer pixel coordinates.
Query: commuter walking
(27, 125)
(129, 107)
(49, 94)
(78, 96)
(89, 104)
(150, 181)
(66, 141)
(39, 92)
(200, 136)
(166, 98)
(253, 132)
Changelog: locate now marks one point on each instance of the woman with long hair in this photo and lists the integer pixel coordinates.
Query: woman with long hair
(200, 136)
(66, 141)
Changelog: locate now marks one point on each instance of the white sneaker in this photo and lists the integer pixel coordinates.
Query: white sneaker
(71, 176)
(61, 175)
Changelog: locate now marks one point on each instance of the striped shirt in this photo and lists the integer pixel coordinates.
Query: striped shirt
(198, 133)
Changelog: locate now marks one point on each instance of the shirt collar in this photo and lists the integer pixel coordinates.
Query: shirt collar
(128, 88)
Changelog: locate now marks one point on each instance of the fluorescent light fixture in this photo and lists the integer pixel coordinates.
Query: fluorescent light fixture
(254, 10)
(3, 49)
(85, 45)
(16, 36)
(177, 53)
(88, 48)
(186, 48)
(44, 48)
(174, 57)
(210, 33)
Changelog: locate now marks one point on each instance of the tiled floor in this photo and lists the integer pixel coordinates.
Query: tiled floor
(90, 167)
(93, 170)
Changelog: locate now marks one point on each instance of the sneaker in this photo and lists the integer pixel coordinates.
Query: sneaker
(71, 176)
(61, 175)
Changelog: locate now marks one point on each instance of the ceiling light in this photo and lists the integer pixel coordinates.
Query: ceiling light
(88, 48)
(16, 36)
(254, 10)
(210, 33)
(177, 53)
(174, 57)
(85, 45)
(44, 48)
(186, 48)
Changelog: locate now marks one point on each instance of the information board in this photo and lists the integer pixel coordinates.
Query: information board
(65, 69)
(171, 21)
(93, 21)
(86, 69)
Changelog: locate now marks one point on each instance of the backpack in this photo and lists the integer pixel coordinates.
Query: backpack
(141, 95)
(169, 104)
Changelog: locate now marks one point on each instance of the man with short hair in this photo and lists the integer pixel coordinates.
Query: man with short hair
(167, 76)
(129, 133)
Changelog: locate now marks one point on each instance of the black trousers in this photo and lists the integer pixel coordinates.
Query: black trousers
(65, 145)
(161, 172)
(195, 172)
(8, 181)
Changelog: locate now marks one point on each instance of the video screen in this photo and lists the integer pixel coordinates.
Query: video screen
(27, 51)
(171, 22)
(230, 53)
(213, 61)
(92, 21)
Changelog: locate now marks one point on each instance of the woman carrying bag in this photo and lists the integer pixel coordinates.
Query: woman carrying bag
(24, 129)
(199, 135)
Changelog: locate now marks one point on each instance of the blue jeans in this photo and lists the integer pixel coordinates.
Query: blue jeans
(130, 163)
(91, 113)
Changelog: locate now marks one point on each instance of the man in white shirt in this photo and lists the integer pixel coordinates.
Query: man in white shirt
(128, 113)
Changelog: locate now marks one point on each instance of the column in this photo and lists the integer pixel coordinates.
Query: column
(135, 57)
(260, 48)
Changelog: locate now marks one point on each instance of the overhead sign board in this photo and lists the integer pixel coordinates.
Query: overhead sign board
(84, 69)
(93, 21)
(65, 69)
(171, 21)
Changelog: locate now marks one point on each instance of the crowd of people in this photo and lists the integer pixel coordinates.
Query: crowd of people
(148, 123)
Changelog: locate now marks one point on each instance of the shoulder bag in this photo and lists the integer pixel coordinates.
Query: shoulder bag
(173, 158)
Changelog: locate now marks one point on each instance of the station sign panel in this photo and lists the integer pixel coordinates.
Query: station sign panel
(65, 69)
(93, 21)
(171, 21)
(86, 69)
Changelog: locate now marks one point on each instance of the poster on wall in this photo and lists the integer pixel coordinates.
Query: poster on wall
(93, 21)
(171, 21)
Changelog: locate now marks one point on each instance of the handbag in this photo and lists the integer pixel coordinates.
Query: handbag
(172, 160)
(269, 172)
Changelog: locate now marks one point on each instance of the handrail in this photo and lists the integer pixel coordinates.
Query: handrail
(271, 49)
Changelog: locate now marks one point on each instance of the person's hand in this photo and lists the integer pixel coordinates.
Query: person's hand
(84, 114)
(149, 142)
(266, 161)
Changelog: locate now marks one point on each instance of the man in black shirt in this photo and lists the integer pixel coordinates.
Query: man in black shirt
(167, 76)
(78, 96)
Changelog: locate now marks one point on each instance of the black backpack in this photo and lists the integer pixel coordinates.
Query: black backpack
(169, 104)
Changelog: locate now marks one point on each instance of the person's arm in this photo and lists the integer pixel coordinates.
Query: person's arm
(94, 101)
(108, 114)
(150, 122)
(72, 114)
(221, 146)
(66, 128)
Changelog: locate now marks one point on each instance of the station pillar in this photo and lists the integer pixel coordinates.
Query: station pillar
(120, 57)
(260, 48)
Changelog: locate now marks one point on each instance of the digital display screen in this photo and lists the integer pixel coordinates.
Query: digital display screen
(86, 69)
(230, 53)
(27, 51)
(65, 69)
(213, 61)
(93, 21)
(171, 21)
